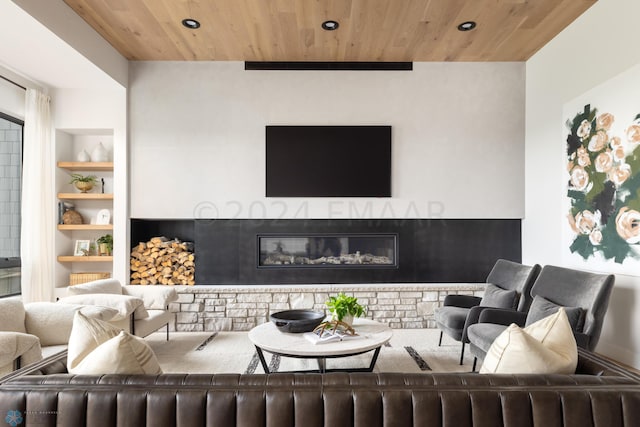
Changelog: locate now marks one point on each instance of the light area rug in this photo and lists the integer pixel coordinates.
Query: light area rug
(409, 351)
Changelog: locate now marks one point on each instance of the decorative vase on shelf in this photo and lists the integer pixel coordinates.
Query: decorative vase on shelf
(83, 156)
(103, 249)
(84, 186)
(72, 217)
(100, 154)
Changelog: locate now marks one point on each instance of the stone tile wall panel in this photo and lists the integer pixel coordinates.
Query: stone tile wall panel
(407, 306)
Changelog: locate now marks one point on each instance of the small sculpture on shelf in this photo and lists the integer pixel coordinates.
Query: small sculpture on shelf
(100, 154)
(83, 156)
(71, 217)
(82, 182)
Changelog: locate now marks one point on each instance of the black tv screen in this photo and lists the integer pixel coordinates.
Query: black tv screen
(328, 161)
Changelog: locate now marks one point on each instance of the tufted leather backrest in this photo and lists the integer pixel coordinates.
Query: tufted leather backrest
(602, 393)
(310, 400)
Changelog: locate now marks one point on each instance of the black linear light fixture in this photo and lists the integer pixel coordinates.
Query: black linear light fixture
(191, 23)
(467, 26)
(330, 25)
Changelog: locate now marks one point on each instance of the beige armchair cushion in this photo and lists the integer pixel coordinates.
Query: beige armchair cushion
(154, 297)
(12, 315)
(102, 286)
(124, 304)
(52, 322)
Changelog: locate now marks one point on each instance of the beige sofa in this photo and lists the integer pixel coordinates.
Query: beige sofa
(141, 309)
(29, 332)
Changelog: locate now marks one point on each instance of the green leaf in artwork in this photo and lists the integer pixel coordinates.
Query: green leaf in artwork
(597, 181)
(579, 206)
(634, 202)
(612, 245)
(576, 195)
(633, 160)
(582, 246)
(618, 250)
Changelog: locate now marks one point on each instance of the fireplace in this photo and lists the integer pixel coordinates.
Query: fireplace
(327, 251)
(228, 251)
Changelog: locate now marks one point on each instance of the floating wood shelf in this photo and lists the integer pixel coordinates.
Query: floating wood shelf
(71, 258)
(85, 226)
(85, 196)
(86, 166)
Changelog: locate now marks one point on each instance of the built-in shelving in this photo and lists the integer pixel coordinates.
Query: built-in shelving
(87, 166)
(69, 144)
(85, 227)
(71, 258)
(85, 196)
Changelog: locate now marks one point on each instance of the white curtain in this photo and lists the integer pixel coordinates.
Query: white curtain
(38, 201)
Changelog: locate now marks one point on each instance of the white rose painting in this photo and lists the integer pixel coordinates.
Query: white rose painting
(602, 137)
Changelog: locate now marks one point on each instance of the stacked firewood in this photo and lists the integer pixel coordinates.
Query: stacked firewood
(161, 261)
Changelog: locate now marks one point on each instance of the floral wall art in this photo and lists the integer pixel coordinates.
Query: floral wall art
(602, 137)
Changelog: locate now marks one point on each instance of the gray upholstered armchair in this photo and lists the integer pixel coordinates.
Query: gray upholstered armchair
(508, 286)
(584, 295)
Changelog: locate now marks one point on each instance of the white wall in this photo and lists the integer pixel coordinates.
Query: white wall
(599, 45)
(197, 138)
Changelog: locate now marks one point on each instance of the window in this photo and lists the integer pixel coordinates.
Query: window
(11, 130)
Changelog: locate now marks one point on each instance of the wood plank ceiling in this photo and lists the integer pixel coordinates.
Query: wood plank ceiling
(290, 30)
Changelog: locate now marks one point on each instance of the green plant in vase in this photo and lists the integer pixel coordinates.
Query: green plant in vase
(344, 308)
(82, 182)
(105, 244)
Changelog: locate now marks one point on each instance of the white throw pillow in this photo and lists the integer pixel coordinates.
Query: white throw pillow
(102, 286)
(52, 322)
(86, 335)
(123, 354)
(544, 347)
(125, 304)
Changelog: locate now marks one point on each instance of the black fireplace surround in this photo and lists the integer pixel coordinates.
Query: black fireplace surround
(426, 250)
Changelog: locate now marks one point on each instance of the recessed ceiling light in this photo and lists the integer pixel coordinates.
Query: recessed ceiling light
(191, 23)
(467, 26)
(330, 25)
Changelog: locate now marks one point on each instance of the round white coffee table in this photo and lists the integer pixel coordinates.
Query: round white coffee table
(372, 336)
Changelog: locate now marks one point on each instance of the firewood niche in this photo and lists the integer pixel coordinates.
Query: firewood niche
(161, 261)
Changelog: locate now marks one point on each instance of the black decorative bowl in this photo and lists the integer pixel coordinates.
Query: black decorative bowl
(297, 321)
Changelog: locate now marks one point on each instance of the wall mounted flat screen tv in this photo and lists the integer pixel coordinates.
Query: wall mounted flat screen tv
(328, 161)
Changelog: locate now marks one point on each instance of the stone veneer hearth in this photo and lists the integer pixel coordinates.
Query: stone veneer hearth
(240, 308)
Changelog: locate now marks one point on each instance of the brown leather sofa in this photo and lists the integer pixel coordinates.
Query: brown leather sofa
(601, 394)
